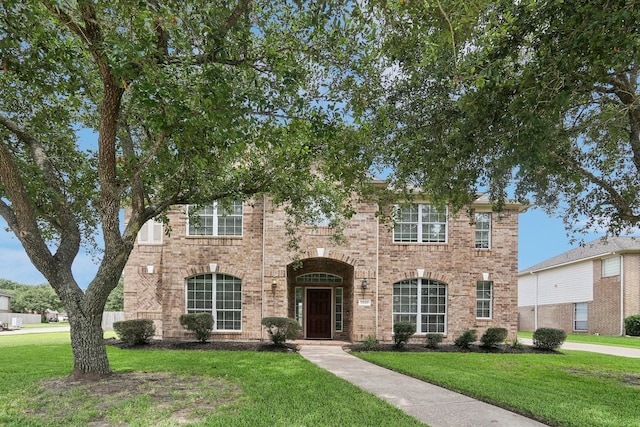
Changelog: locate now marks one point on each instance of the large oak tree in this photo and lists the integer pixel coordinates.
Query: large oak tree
(191, 101)
(540, 97)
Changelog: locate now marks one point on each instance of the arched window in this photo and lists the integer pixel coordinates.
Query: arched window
(423, 302)
(218, 294)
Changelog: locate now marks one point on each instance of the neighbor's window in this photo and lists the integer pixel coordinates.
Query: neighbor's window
(218, 294)
(580, 312)
(150, 233)
(215, 220)
(483, 230)
(420, 223)
(484, 299)
(611, 266)
(423, 302)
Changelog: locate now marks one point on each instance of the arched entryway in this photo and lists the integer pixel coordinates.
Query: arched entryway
(321, 295)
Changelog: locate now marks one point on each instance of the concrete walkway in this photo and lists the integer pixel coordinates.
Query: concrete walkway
(604, 349)
(432, 405)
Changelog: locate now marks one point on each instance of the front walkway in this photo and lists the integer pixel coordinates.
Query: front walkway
(433, 405)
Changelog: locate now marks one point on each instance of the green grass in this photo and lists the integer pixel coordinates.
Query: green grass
(214, 388)
(569, 389)
(632, 342)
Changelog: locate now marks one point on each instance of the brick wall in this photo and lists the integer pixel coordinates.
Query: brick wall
(260, 257)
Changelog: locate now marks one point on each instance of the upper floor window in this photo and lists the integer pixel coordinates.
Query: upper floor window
(483, 230)
(150, 233)
(215, 220)
(611, 267)
(420, 223)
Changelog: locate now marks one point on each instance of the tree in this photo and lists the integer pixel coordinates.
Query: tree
(541, 97)
(191, 101)
(36, 299)
(115, 302)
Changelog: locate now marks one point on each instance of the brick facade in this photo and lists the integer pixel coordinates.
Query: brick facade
(268, 271)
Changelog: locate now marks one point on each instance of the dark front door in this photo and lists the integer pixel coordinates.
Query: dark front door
(319, 313)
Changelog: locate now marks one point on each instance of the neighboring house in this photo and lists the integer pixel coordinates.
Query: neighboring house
(5, 303)
(589, 289)
(434, 268)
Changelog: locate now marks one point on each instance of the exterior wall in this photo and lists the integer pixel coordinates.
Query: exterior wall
(268, 271)
(5, 304)
(604, 311)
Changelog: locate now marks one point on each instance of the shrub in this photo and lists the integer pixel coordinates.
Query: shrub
(493, 337)
(433, 340)
(632, 325)
(281, 329)
(136, 331)
(467, 338)
(402, 331)
(201, 324)
(516, 344)
(548, 338)
(369, 342)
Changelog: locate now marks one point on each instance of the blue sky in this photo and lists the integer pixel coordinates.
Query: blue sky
(541, 237)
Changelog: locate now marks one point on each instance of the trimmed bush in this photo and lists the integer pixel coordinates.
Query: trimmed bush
(493, 337)
(136, 331)
(369, 342)
(467, 338)
(201, 324)
(632, 325)
(433, 340)
(402, 331)
(281, 329)
(548, 338)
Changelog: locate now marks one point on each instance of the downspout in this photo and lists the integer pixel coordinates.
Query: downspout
(377, 271)
(621, 295)
(264, 228)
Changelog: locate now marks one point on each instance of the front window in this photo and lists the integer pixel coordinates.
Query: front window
(150, 233)
(215, 220)
(484, 297)
(420, 223)
(218, 294)
(483, 230)
(611, 267)
(580, 312)
(423, 302)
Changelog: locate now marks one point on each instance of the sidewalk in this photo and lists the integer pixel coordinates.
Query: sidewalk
(432, 405)
(604, 349)
(21, 331)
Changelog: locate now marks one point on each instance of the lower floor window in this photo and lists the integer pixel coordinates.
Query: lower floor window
(580, 313)
(423, 302)
(218, 294)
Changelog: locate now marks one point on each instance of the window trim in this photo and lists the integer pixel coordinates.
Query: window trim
(215, 218)
(488, 230)
(214, 309)
(420, 224)
(575, 316)
(421, 283)
(479, 299)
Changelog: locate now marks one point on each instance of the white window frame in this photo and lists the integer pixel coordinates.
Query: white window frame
(484, 299)
(414, 308)
(339, 304)
(580, 314)
(150, 233)
(216, 219)
(483, 230)
(417, 222)
(611, 266)
(207, 297)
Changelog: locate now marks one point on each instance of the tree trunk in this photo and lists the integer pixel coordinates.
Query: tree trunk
(89, 351)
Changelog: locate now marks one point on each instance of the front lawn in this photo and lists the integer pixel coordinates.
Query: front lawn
(174, 387)
(632, 342)
(569, 389)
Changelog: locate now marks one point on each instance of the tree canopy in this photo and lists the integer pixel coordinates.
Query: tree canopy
(534, 100)
(191, 101)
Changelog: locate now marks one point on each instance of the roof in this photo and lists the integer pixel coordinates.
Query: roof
(597, 248)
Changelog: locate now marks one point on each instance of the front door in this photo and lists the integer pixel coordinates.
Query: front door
(319, 313)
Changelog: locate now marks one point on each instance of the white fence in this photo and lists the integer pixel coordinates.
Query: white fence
(26, 318)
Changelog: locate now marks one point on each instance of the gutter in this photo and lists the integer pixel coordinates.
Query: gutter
(525, 272)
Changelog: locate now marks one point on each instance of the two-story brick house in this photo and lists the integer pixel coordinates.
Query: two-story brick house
(434, 267)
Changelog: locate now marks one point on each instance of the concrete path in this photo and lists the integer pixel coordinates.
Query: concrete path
(432, 405)
(20, 331)
(604, 349)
